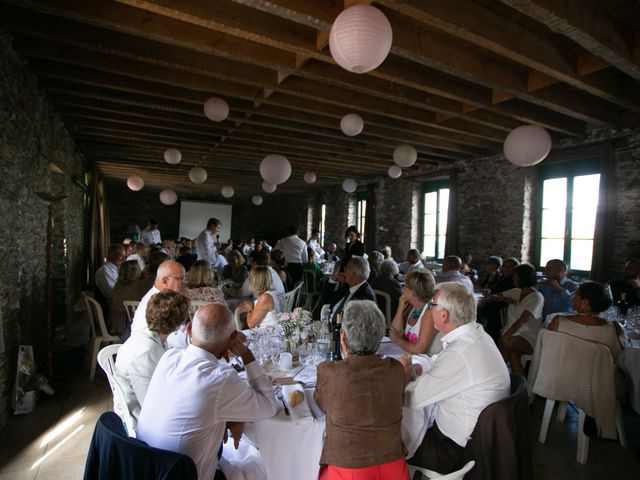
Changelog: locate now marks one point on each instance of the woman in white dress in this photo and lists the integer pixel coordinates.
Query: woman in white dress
(262, 311)
(523, 317)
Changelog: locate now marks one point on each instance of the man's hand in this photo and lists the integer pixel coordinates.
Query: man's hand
(236, 429)
(411, 371)
(236, 345)
(245, 306)
(553, 285)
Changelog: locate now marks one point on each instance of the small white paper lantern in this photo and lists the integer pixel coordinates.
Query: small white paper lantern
(198, 175)
(351, 124)
(269, 187)
(172, 156)
(405, 155)
(227, 191)
(275, 169)
(257, 200)
(394, 171)
(216, 109)
(527, 145)
(310, 177)
(349, 185)
(168, 197)
(360, 38)
(135, 183)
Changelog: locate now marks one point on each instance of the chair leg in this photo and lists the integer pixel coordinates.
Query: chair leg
(546, 418)
(562, 411)
(583, 440)
(94, 359)
(622, 436)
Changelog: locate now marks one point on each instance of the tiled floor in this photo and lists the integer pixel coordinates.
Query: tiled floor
(27, 453)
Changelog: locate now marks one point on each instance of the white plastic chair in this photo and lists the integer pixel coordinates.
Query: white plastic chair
(287, 300)
(130, 306)
(457, 475)
(237, 316)
(99, 332)
(387, 305)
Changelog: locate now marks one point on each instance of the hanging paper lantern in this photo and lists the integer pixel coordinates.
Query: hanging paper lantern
(216, 109)
(257, 200)
(394, 171)
(275, 169)
(527, 145)
(168, 197)
(198, 175)
(268, 187)
(360, 38)
(135, 183)
(172, 156)
(405, 155)
(349, 185)
(310, 177)
(227, 191)
(351, 124)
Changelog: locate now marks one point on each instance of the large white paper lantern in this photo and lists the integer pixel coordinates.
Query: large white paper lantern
(269, 187)
(360, 38)
(310, 177)
(172, 156)
(349, 185)
(257, 200)
(275, 169)
(527, 145)
(168, 197)
(394, 171)
(405, 155)
(227, 191)
(135, 183)
(216, 109)
(198, 175)
(351, 124)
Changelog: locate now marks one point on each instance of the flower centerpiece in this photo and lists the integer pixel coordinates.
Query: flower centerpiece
(294, 325)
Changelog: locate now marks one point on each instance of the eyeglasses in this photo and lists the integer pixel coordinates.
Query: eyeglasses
(430, 305)
(177, 278)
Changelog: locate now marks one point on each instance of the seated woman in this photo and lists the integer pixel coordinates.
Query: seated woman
(139, 355)
(362, 398)
(523, 317)
(262, 311)
(200, 285)
(235, 270)
(412, 327)
(279, 264)
(128, 273)
(386, 282)
(312, 266)
(492, 275)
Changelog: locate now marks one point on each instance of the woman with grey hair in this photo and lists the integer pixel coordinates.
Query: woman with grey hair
(375, 259)
(387, 283)
(362, 398)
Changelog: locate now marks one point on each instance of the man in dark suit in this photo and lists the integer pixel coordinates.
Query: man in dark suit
(355, 286)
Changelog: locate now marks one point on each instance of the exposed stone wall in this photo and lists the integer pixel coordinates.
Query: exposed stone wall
(31, 135)
(627, 227)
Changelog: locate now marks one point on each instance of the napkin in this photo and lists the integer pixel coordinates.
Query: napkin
(307, 376)
(300, 411)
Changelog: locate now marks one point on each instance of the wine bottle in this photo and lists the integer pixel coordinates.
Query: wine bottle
(337, 345)
(622, 305)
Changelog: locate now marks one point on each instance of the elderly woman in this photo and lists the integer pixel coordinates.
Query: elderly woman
(362, 398)
(375, 259)
(235, 270)
(386, 282)
(128, 273)
(139, 355)
(262, 311)
(412, 327)
(200, 285)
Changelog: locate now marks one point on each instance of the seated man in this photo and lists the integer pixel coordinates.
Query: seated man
(355, 286)
(330, 254)
(412, 263)
(451, 273)
(467, 376)
(556, 288)
(193, 394)
(629, 284)
(107, 275)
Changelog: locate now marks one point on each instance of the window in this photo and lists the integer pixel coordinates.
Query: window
(568, 213)
(361, 213)
(323, 213)
(435, 208)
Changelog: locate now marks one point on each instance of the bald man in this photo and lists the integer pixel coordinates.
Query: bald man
(193, 392)
(451, 272)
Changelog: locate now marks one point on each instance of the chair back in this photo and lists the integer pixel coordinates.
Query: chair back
(130, 307)
(310, 295)
(106, 360)
(237, 316)
(96, 317)
(387, 305)
(287, 300)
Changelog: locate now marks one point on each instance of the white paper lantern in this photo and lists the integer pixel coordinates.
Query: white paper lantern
(216, 109)
(351, 124)
(227, 191)
(349, 185)
(394, 171)
(360, 38)
(198, 175)
(172, 156)
(275, 169)
(310, 177)
(527, 145)
(168, 197)
(405, 155)
(268, 187)
(135, 183)
(257, 200)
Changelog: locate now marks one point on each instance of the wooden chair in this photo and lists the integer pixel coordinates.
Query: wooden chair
(99, 332)
(310, 296)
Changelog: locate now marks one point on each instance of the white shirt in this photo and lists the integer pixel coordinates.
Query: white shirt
(139, 321)
(206, 248)
(137, 258)
(406, 267)
(190, 398)
(149, 237)
(315, 246)
(277, 284)
(455, 276)
(467, 376)
(106, 278)
(294, 248)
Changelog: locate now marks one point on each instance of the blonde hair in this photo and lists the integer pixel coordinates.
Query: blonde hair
(237, 255)
(260, 280)
(200, 275)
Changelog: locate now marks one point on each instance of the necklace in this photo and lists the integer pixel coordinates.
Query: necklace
(416, 313)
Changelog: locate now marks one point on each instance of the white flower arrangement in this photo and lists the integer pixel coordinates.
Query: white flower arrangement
(293, 323)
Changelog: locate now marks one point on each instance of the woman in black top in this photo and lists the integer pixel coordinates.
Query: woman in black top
(353, 247)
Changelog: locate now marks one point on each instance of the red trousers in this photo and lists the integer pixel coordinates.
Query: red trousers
(397, 470)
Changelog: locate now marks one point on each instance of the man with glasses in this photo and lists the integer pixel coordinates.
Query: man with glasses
(467, 376)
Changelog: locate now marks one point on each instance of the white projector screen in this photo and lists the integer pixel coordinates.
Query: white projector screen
(194, 216)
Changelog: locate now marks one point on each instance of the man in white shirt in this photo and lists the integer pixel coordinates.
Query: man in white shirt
(412, 263)
(314, 243)
(107, 275)
(206, 245)
(467, 376)
(150, 235)
(295, 252)
(451, 273)
(194, 392)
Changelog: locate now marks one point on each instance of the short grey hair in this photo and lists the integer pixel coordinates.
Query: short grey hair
(375, 257)
(460, 303)
(360, 267)
(389, 267)
(364, 326)
(212, 325)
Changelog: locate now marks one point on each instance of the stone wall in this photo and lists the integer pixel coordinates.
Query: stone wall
(31, 136)
(627, 227)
